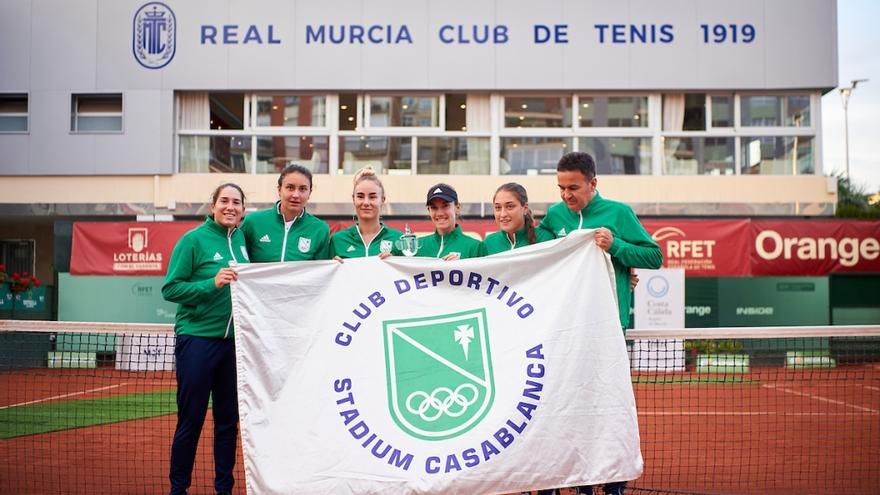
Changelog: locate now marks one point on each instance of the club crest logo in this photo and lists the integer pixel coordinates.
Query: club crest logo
(304, 244)
(385, 246)
(439, 373)
(154, 35)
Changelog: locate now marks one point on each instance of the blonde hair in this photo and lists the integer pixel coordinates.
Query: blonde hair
(367, 173)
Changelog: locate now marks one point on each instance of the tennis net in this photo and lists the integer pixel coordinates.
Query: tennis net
(90, 408)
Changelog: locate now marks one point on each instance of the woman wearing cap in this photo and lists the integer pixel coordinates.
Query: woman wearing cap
(448, 241)
(199, 273)
(367, 237)
(287, 232)
(514, 218)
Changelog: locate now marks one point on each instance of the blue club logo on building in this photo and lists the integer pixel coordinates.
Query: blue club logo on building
(154, 35)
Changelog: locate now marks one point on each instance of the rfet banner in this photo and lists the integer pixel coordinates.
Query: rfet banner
(703, 248)
(415, 375)
(124, 248)
(814, 247)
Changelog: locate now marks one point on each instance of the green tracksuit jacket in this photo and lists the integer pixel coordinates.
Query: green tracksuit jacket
(498, 242)
(632, 246)
(348, 243)
(266, 239)
(203, 310)
(438, 246)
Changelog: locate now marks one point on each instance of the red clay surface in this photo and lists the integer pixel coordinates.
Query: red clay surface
(783, 432)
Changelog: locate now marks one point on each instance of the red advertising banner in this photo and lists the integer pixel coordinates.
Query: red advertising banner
(124, 248)
(704, 248)
(814, 247)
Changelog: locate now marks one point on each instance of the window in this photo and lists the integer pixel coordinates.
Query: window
(456, 112)
(722, 110)
(276, 152)
(698, 156)
(18, 255)
(404, 111)
(537, 111)
(348, 107)
(532, 155)
(775, 111)
(618, 155)
(222, 154)
(96, 113)
(613, 111)
(227, 111)
(388, 155)
(290, 111)
(453, 155)
(777, 155)
(13, 112)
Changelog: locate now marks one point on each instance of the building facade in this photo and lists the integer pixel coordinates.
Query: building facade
(135, 109)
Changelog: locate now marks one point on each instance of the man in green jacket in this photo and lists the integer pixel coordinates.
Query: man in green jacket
(618, 231)
(287, 232)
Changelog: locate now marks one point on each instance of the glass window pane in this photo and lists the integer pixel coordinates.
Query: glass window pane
(222, 154)
(698, 156)
(619, 155)
(276, 152)
(13, 103)
(456, 112)
(388, 155)
(722, 111)
(684, 112)
(404, 111)
(290, 111)
(537, 111)
(347, 111)
(532, 155)
(761, 111)
(13, 124)
(194, 154)
(775, 111)
(613, 111)
(788, 155)
(457, 156)
(227, 110)
(797, 111)
(99, 104)
(92, 124)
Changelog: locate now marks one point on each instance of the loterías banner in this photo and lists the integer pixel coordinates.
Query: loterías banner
(124, 248)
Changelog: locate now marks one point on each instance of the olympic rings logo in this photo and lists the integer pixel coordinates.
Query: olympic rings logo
(442, 400)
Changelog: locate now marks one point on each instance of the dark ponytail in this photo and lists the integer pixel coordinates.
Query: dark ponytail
(523, 197)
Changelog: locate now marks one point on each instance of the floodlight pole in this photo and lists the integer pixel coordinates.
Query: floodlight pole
(845, 93)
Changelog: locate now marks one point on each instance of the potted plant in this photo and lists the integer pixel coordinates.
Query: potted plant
(23, 282)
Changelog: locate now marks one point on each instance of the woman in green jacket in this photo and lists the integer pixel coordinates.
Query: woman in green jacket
(201, 268)
(369, 236)
(287, 232)
(448, 241)
(514, 219)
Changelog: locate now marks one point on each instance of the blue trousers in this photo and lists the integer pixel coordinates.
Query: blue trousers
(205, 368)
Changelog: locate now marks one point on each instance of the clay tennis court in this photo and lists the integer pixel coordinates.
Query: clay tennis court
(771, 430)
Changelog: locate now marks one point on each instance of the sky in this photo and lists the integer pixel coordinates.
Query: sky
(858, 49)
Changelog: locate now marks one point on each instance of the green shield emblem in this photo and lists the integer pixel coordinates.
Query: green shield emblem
(439, 373)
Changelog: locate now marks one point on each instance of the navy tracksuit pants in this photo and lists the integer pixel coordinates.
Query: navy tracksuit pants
(205, 368)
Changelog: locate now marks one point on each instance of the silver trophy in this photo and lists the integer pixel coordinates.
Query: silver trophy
(408, 243)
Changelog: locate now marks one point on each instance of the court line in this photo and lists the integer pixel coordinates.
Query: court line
(63, 396)
(820, 398)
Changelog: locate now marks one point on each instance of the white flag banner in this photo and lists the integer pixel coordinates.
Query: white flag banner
(414, 375)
